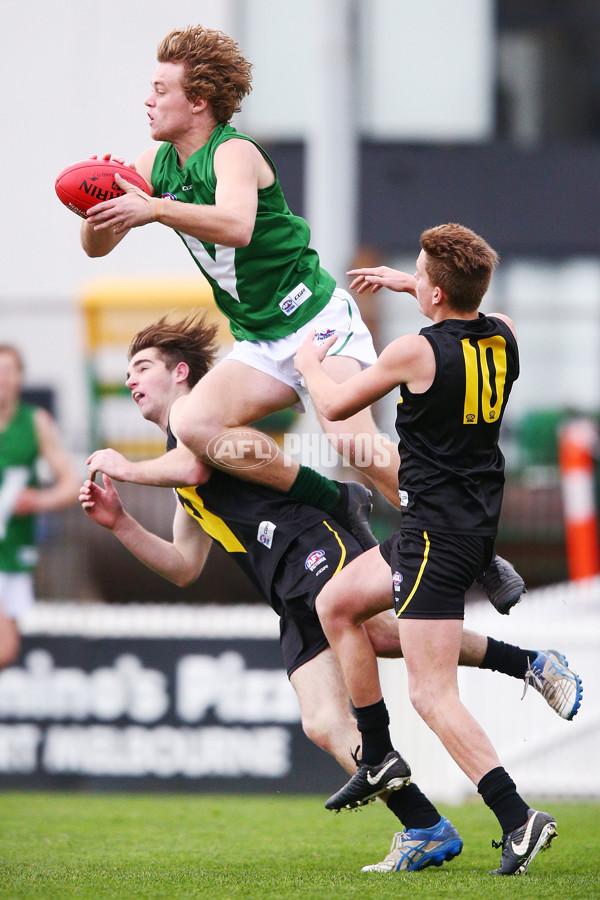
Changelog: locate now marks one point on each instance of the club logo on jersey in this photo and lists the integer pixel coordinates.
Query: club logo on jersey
(403, 495)
(321, 336)
(397, 580)
(294, 299)
(314, 559)
(266, 530)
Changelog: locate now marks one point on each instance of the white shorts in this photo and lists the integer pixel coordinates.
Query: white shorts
(341, 316)
(16, 593)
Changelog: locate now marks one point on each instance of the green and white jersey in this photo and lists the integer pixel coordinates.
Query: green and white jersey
(18, 454)
(273, 286)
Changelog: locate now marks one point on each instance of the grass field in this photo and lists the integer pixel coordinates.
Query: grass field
(263, 848)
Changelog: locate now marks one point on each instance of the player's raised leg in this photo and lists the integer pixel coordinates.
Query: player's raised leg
(217, 409)
(212, 424)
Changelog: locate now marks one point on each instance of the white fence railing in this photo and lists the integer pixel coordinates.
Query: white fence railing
(544, 754)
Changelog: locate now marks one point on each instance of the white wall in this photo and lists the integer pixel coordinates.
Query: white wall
(76, 75)
(428, 69)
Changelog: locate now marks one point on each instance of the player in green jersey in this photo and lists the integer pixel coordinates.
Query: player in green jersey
(219, 191)
(27, 433)
(290, 552)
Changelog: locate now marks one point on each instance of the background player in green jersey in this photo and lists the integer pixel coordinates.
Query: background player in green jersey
(455, 378)
(275, 540)
(219, 191)
(27, 434)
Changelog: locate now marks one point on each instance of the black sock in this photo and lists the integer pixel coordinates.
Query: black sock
(373, 723)
(507, 658)
(316, 490)
(412, 807)
(499, 792)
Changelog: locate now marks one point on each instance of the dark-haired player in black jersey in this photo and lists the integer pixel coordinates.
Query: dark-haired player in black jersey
(455, 379)
(288, 549)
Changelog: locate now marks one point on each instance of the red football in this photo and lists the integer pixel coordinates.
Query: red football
(91, 181)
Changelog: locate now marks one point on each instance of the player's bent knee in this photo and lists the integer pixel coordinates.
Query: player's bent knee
(332, 612)
(423, 701)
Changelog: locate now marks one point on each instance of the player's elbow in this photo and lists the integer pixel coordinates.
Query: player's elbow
(184, 578)
(96, 244)
(332, 410)
(95, 252)
(195, 473)
(241, 234)
(93, 247)
(184, 581)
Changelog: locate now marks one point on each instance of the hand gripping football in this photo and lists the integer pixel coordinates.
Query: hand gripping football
(83, 184)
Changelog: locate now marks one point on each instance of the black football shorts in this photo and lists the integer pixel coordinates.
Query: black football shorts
(310, 561)
(431, 572)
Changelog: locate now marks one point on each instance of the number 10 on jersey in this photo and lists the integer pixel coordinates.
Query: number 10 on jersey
(485, 375)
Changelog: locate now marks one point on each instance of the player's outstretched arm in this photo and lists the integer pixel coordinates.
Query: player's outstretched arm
(403, 361)
(228, 221)
(177, 468)
(180, 561)
(382, 276)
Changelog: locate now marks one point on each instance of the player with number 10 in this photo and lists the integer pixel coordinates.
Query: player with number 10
(455, 379)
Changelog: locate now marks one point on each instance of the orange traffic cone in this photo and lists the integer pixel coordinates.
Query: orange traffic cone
(577, 442)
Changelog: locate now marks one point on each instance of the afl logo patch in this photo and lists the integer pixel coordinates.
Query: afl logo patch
(397, 580)
(314, 559)
(294, 299)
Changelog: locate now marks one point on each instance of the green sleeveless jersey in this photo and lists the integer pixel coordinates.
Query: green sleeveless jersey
(273, 286)
(18, 454)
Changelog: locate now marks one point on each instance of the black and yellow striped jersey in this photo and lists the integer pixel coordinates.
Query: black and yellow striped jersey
(451, 476)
